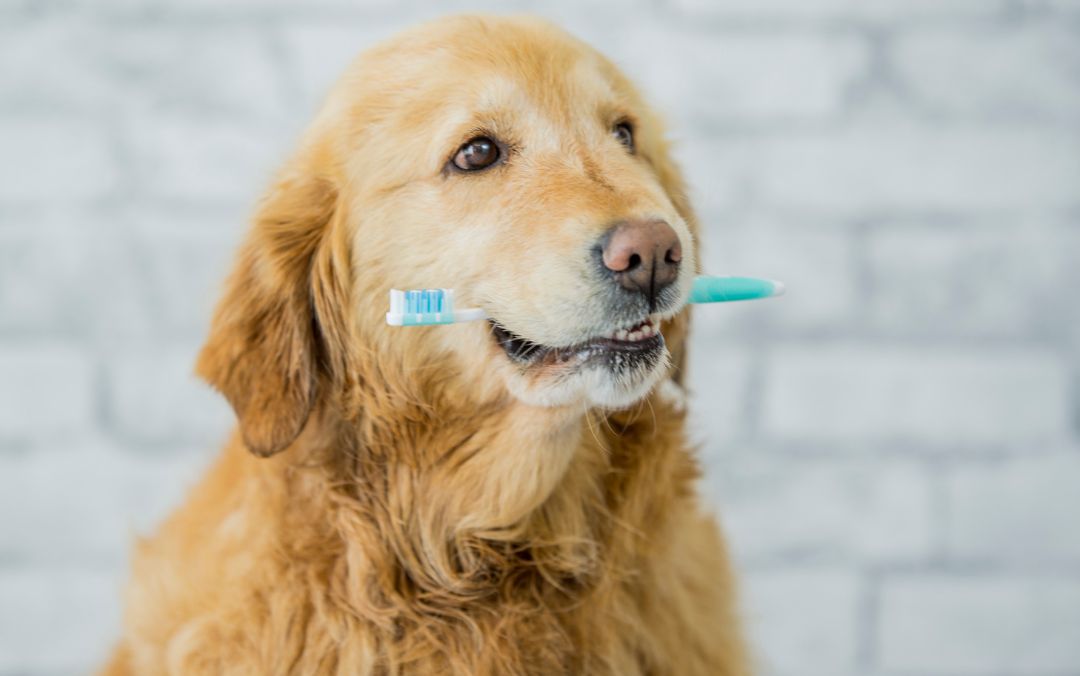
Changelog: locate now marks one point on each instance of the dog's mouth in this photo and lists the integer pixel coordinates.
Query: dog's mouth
(636, 345)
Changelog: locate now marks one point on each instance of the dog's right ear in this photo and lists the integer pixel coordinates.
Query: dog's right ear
(263, 349)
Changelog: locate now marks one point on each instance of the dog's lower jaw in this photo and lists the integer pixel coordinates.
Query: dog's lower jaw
(616, 393)
(592, 385)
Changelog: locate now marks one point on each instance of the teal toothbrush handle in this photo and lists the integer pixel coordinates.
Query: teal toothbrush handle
(725, 289)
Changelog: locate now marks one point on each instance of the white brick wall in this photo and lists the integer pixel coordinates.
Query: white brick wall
(796, 77)
(1014, 70)
(154, 398)
(50, 160)
(789, 10)
(954, 397)
(46, 392)
(88, 499)
(56, 620)
(866, 168)
(807, 620)
(980, 624)
(991, 278)
(857, 510)
(1019, 510)
(893, 447)
(178, 156)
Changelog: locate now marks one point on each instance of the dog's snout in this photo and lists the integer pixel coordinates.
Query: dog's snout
(644, 255)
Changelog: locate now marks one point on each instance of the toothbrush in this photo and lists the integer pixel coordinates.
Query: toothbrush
(429, 307)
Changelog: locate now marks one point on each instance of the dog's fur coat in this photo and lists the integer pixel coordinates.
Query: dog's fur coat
(390, 505)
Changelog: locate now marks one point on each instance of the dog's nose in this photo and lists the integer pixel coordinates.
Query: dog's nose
(644, 255)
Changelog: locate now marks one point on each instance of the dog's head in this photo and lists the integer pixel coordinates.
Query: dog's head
(498, 157)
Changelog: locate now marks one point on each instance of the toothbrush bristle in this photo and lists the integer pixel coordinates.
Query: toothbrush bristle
(433, 300)
(424, 301)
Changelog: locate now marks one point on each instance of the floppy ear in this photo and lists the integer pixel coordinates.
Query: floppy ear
(264, 345)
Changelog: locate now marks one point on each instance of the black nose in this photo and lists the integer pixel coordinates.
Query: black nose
(643, 255)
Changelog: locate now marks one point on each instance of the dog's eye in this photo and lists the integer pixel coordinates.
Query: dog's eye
(478, 153)
(624, 134)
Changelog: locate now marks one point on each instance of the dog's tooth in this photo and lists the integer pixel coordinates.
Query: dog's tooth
(620, 334)
(647, 330)
(634, 336)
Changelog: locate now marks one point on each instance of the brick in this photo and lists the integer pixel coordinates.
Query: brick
(184, 156)
(65, 272)
(288, 8)
(1060, 5)
(894, 167)
(184, 257)
(117, 277)
(980, 625)
(46, 392)
(779, 508)
(1002, 281)
(1026, 69)
(317, 54)
(796, 76)
(154, 397)
(833, 9)
(803, 622)
(1020, 510)
(51, 63)
(210, 70)
(114, 277)
(715, 183)
(60, 620)
(816, 264)
(126, 67)
(717, 381)
(966, 397)
(43, 271)
(80, 504)
(54, 161)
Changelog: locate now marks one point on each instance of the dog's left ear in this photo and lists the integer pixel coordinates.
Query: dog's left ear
(266, 342)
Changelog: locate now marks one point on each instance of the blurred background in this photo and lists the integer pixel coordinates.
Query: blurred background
(893, 447)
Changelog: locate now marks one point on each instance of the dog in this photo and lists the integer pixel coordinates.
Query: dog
(509, 496)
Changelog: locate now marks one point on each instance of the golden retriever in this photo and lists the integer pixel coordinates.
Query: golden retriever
(512, 496)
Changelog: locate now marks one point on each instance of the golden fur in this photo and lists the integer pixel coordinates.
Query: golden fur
(404, 501)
